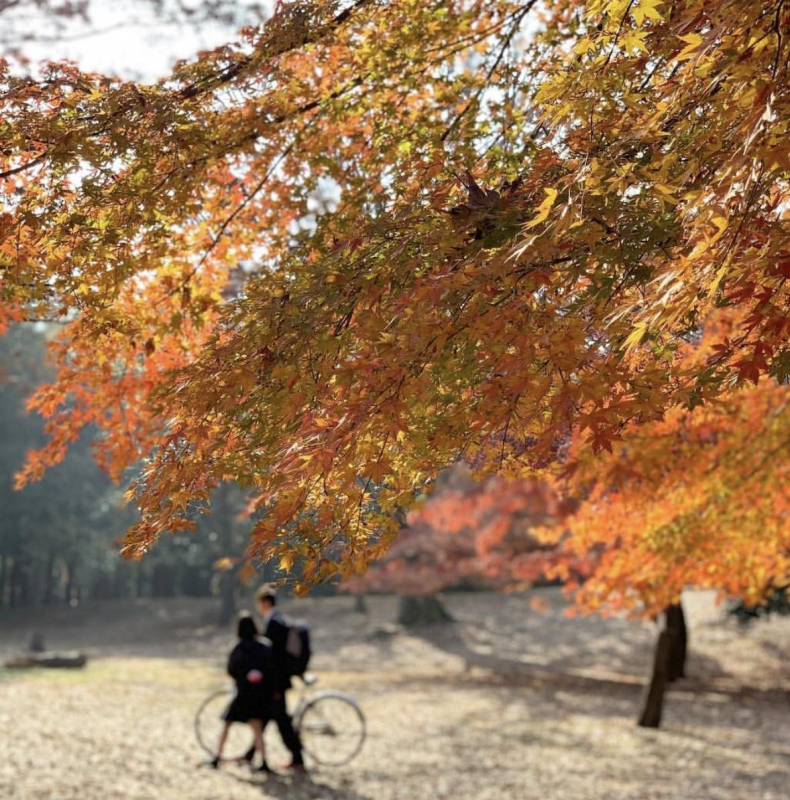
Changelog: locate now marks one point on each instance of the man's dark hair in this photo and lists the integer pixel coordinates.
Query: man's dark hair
(267, 593)
(246, 630)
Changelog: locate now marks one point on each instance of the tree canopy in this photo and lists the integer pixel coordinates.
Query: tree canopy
(373, 237)
(470, 533)
(699, 498)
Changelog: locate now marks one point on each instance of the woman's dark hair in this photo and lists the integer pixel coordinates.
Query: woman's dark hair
(247, 629)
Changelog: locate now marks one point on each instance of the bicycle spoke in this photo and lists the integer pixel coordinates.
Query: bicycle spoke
(332, 729)
(208, 724)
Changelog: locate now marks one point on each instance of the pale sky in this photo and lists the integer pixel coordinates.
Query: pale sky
(124, 38)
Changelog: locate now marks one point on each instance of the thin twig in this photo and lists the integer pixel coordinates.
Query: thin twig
(476, 96)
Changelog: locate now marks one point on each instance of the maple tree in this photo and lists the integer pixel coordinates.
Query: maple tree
(468, 532)
(699, 498)
(374, 237)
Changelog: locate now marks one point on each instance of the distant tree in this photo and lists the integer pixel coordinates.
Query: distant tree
(59, 539)
(468, 533)
(776, 601)
(55, 538)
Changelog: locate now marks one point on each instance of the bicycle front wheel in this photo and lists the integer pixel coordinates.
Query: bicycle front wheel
(332, 728)
(209, 723)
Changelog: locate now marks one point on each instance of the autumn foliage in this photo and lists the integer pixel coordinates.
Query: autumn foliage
(699, 498)
(470, 533)
(533, 208)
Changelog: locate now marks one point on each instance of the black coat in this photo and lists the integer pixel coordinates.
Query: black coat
(252, 700)
(277, 633)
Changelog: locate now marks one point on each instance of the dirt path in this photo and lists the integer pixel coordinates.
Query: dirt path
(503, 704)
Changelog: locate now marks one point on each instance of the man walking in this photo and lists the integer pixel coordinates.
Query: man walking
(275, 628)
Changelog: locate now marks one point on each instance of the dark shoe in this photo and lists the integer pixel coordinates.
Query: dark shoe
(214, 762)
(263, 768)
(249, 755)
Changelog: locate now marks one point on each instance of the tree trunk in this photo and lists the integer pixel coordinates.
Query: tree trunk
(71, 570)
(422, 611)
(2, 579)
(360, 606)
(25, 585)
(163, 581)
(676, 625)
(48, 578)
(14, 580)
(139, 581)
(653, 702)
(119, 582)
(227, 597)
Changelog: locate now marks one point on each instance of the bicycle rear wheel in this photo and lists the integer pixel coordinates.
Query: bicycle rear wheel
(209, 722)
(332, 728)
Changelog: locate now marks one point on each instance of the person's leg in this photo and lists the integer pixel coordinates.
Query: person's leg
(286, 727)
(221, 745)
(257, 730)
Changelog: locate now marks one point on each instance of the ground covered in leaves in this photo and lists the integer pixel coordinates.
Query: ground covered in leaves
(504, 703)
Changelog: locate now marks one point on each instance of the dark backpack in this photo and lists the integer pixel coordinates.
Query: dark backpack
(297, 648)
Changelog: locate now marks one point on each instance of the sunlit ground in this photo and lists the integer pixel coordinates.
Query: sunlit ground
(505, 703)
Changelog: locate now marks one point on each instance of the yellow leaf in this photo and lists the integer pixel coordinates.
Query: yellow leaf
(666, 189)
(633, 41)
(721, 272)
(721, 222)
(544, 208)
(636, 336)
(286, 561)
(646, 8)
(693, 40)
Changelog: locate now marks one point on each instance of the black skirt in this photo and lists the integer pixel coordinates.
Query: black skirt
(247, 705)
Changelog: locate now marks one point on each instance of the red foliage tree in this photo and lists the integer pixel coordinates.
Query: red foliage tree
(470, 532)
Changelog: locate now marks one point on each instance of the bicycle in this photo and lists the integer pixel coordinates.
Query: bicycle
(330, 724)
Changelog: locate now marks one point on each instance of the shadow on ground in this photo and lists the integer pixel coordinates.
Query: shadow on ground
(303, 787)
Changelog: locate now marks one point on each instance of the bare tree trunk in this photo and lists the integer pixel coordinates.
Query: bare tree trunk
(139, 578)
(71, 571)
(13, 599)
(3, 566)
(360, 606)
(669, 664)
(25, 598)
(676, 625)
(227, 597)
(427, 610)
(163, 581)
(653, 703)
(48, 578)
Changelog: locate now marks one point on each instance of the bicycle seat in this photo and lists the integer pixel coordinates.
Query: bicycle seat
(309, 680)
